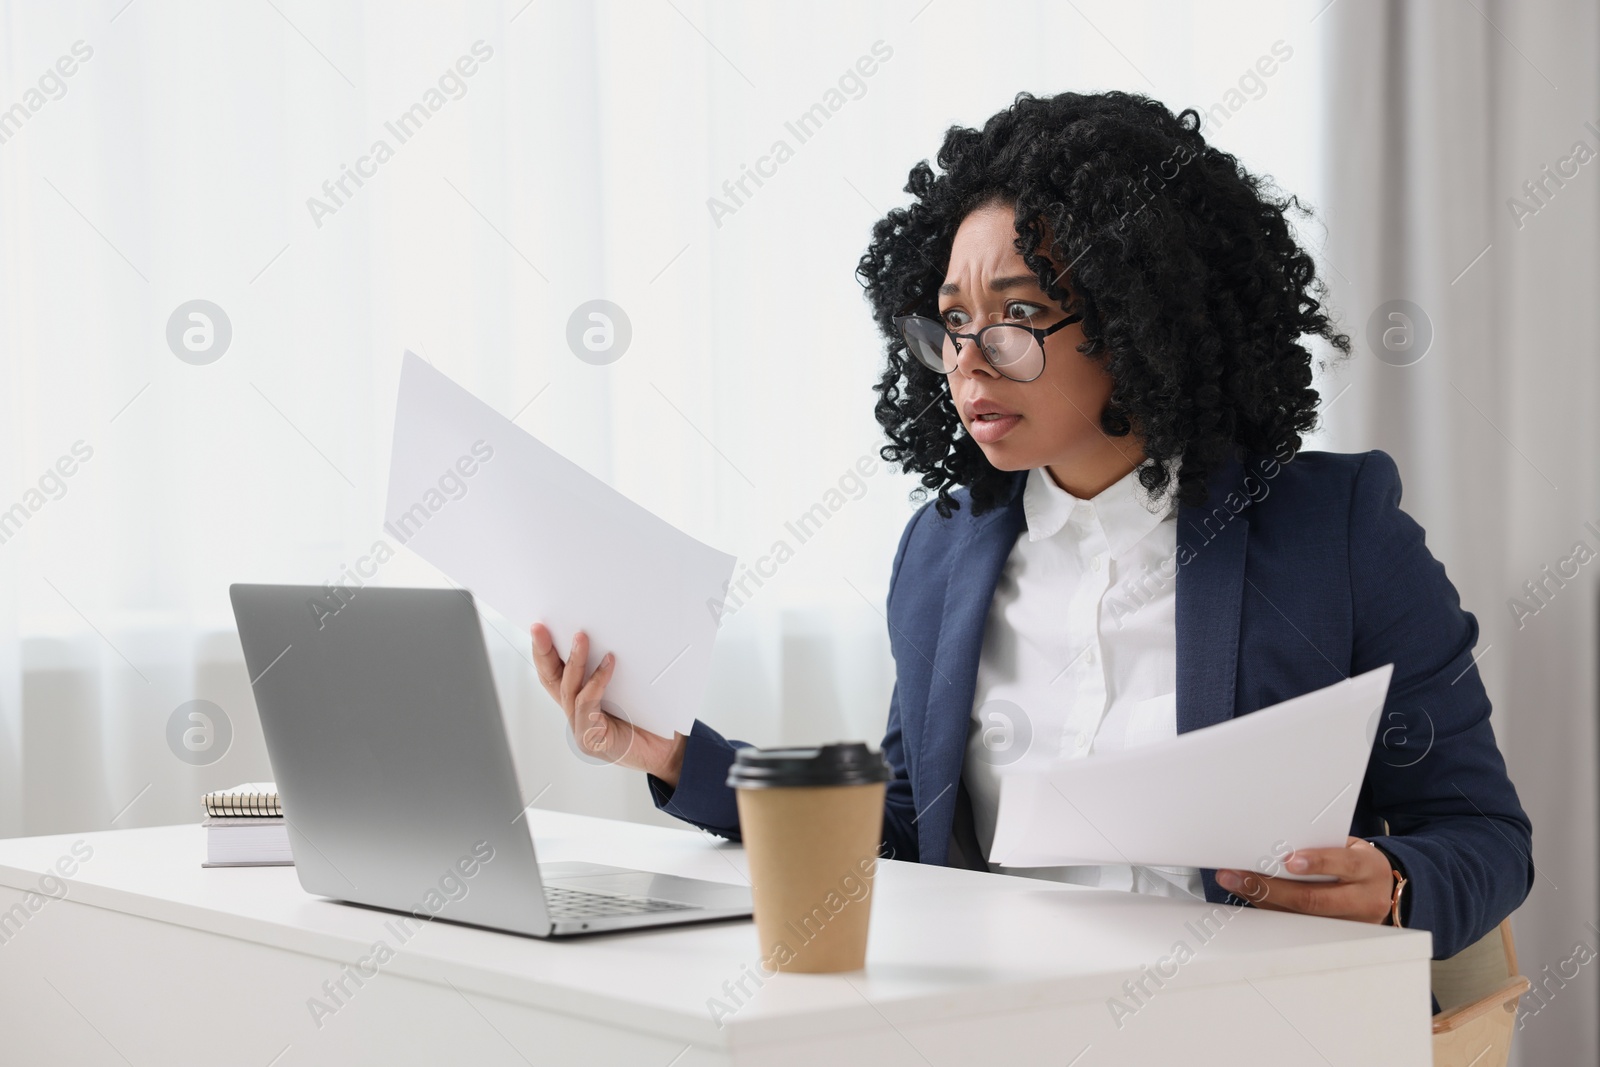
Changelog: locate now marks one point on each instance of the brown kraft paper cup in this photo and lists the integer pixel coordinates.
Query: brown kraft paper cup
(812, 821)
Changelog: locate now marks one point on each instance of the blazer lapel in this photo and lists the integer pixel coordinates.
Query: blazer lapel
(1211, 556)
(975, 565)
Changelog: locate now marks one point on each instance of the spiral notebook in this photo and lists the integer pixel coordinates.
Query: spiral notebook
(245, 827)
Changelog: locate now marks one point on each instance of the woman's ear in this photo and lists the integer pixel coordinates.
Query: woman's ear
(1115, 422)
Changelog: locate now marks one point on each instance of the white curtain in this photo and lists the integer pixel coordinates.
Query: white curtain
(1439, 116)
(578, 160)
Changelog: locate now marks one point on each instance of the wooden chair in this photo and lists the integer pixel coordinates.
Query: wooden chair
(1478, 990)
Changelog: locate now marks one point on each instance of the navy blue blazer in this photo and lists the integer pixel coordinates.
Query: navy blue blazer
(1291, 577)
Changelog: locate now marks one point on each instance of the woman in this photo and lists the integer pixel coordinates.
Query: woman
(1093, 321)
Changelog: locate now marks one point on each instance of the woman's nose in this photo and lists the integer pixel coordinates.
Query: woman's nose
(970, 362)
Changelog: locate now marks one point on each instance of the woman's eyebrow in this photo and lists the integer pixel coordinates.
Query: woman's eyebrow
(1012, 281)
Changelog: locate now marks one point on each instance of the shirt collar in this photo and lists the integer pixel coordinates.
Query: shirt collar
(1124, 512)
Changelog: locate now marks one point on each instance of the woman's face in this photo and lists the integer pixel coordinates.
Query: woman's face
(1052, 421)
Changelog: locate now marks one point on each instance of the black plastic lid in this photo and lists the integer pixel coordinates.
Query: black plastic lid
(845, 763)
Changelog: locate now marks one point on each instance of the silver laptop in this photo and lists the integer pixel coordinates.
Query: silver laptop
(390, 754)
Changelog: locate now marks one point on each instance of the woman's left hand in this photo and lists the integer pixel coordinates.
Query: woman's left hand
(1363, 891)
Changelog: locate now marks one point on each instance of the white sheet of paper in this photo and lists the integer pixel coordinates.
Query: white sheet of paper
(532, 534)
(1239, 794)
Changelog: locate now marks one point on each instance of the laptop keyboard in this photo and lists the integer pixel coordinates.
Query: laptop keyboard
(564, 903)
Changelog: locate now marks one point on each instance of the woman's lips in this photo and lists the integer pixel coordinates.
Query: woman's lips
(988, 429)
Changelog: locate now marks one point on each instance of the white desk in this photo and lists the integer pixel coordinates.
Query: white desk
(151, 960)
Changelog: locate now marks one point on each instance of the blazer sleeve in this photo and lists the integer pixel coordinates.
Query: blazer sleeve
(1455, 825)
(704, 799)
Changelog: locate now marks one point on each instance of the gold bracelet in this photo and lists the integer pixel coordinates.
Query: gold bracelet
(1394, 903)
(1400, 881)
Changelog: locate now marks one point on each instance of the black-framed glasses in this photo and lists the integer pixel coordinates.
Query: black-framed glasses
(1015, 350)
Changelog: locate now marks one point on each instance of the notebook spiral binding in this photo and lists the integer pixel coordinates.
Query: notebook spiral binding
(238, 805)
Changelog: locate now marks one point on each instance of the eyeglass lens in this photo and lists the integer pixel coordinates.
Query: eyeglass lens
(1012, 350)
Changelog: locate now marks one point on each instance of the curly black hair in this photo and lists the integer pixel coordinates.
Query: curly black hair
(1193, 291)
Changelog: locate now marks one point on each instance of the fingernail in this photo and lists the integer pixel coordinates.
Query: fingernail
(1227, 880)
(606, 662)
(1298, 864)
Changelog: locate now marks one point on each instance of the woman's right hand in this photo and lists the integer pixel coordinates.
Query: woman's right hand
(598, 732)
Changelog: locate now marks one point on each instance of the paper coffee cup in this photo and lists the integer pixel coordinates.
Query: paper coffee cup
(812, 821)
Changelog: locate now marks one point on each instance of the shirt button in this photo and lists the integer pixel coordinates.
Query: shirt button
(1094, 564)
(1082, 740)
(1088, 656)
